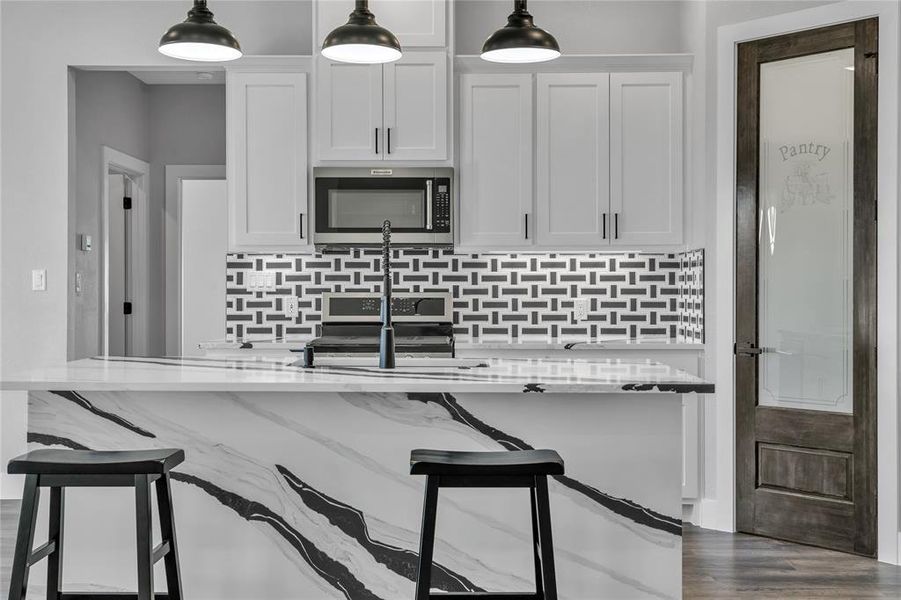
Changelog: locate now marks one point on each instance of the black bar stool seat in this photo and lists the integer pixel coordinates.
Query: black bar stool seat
(521, 462)
(90, 462)
(59, 469)
(519, 468)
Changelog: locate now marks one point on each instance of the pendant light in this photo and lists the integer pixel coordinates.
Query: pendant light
(361, 40)
(519, 41)
(200, 38)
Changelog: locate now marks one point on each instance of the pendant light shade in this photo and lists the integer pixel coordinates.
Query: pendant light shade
(361, 40)
(519, 41)
(200, 38)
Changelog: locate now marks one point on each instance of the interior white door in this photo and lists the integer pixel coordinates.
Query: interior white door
(267, 160)
(415, 99)
(414, 22)
(496, 160)
(349, 109)
(573, 196)
(204, 244)
(646, 158)
(118, 261)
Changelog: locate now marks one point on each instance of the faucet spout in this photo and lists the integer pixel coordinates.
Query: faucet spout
(386, 338)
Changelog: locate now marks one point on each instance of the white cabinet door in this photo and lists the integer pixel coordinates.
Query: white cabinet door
(646, 158)
(267, 160)
(573, 144)
(496, 160)
(349, 111)
(415, 98)
(419, 23)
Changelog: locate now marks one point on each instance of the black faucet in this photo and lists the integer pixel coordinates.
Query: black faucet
(386, 339)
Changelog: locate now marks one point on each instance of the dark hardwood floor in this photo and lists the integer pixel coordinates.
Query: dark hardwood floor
(720, 566)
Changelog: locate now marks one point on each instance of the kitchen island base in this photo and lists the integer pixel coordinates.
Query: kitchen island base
(307, 495)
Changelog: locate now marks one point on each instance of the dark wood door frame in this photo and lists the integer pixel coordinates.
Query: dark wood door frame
(849, 525)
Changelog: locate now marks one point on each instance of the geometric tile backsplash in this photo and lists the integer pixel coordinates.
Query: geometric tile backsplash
(519, 294)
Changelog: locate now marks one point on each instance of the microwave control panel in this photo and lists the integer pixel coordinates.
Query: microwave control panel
(442, 206)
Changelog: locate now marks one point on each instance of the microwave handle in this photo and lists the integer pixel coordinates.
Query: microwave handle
(428, 204)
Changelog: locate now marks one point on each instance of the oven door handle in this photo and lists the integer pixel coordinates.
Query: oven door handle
(428, 204)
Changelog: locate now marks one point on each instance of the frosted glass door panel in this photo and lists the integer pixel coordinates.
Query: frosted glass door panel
(806, 232)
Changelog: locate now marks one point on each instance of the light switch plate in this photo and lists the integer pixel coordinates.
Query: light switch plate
(39, 280)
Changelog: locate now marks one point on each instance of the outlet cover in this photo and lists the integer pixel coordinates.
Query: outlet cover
(291, 307)
(580, 309)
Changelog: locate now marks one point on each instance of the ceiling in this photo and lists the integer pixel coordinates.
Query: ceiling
(182, 77)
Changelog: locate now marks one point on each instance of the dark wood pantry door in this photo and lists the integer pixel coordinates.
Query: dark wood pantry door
(805, 354)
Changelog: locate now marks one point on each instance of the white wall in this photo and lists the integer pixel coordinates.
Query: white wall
(187, 127)
(580, 26)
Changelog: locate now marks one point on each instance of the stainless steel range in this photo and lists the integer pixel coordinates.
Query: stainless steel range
(351, 323)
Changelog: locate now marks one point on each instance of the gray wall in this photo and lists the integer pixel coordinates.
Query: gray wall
(110, 110)
(581, 26)
(160, 124)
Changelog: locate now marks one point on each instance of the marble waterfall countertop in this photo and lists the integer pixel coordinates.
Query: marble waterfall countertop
(270, 373)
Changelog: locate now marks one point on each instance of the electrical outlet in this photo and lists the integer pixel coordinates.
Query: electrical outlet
(290, 307)
(39, 280)
(580, 309)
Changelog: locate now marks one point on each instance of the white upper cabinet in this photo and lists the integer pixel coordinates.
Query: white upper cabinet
(415, 104)
(267, 161)
(349, 108)
(416, 23)
(396, 111)
(646, 158)
(496, 160)
(572, 198)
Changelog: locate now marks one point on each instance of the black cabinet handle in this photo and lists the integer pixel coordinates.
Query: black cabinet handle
(376, 140)
(388, 141)
(301, 226)
(527, 224)
(616, 226)
(604, 226)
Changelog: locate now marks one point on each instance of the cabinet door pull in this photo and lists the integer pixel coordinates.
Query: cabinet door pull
(388, 142)
(527, 224)
(300, 229)
(616, 226)
(603, 226)
(376, 140)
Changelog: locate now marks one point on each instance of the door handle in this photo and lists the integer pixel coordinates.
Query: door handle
(376, 140)
(604, 226)
(746, 349)
(527, 224)
(616, 226)
(388, 142)
(428, 203)
(300, 228)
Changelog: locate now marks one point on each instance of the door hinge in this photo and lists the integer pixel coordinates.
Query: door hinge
(126, 308)
(126, 203)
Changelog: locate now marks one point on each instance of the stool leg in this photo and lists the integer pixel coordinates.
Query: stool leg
(145, 538)
(547, 543)
(536, 546)
(167, 529)
(427, 538)
(18, 583)
(55, 534)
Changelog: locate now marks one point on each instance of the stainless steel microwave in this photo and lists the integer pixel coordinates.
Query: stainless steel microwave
(351, 203)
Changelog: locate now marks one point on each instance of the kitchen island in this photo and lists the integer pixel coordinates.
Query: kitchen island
(297, 485)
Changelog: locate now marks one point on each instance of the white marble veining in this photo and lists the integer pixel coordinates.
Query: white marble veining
(262, 373)
(306, 496)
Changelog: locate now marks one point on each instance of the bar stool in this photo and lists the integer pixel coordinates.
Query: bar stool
(59, 469)
(520, 468)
